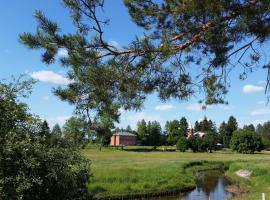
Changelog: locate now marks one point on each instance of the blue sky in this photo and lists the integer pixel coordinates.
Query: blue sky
(246, 98)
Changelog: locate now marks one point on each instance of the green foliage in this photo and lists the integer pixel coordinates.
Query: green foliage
(172, 131)
(75, 131)
(209, 142)
(56, 130)
(182, 144)
(205, 126)
(30, 166)
(175, 129)
(226, 130)
(195, 143)
(246, 141)
(249, 127)
(149, 134)
(178, 35)
(142, 131)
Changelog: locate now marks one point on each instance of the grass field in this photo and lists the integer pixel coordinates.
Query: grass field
(133, 171)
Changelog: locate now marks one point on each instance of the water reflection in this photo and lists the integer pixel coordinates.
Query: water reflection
(210, 186)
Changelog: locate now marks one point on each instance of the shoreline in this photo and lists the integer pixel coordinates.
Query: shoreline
(233, 188)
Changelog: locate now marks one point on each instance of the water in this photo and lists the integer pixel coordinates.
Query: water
(210, 186)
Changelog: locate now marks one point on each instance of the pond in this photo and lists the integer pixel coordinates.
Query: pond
(210, 185)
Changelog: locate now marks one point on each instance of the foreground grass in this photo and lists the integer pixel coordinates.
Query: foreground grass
(125, 172)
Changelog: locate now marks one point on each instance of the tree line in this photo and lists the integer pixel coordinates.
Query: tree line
(228, 135)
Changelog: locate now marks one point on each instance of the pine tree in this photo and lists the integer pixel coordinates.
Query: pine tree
(142, 132)
(45, 130)
(197, 126)
(105, 77)
(56, 130)
(183, 124)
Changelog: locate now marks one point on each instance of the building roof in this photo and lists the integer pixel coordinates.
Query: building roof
(124, 133)
(199, 133)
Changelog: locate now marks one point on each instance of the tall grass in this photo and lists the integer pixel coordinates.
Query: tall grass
(117, 172)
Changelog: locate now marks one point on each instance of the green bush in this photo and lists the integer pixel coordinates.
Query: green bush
(182, 144)
(246, 141)
(30, 166)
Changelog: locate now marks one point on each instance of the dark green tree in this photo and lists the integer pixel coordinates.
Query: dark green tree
(178, 35)
(246, 141)
(182, 144)
(209, 142)
(264, 132)
(129, 129)
(195, 143)
(250, 127)
(45, 129)
(56, 130)
(142, 132)
(173, 131)
(226, 130)
(29, 167)
(206, 126)
(183, 124)
(75, 131)
(154, 133)
(197, 126)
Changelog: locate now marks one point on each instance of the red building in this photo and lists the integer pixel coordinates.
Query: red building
(123, 138)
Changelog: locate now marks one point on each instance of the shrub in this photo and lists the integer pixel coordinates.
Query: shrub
(246, 141)
(194, 143)
(182, 144)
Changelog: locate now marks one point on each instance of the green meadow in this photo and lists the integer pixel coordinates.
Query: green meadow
(138, 171)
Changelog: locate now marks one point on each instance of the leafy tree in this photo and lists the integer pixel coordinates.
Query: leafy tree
(264, 132)
(250, 127)
(209, 142)
(226, 130)
(173, 131)
(154, 133)
(128, 128)
(30, 168)
(194, 143)
(206, 126)
(246, 141)
(183, 124)
(178, 35)
(182, 144)
(142, 132)
(56, 130)
(197, 126)
(45, 129)
(75, 130)
(232, 124)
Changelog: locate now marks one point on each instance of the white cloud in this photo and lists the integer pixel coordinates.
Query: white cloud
(252, 89)
(195, 107)
(50, 77)
(263, 111)
(62, 53)
(134, 118)
(259, 121)
(164, 107)
(113, 43)
(261, 102)
(61, 120)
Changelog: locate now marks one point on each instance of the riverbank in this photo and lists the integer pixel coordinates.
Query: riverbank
(120, 173)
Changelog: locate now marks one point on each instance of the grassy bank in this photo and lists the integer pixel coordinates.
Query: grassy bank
(134, 171)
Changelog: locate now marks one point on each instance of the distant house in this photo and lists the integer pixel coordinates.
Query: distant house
(123, 138)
